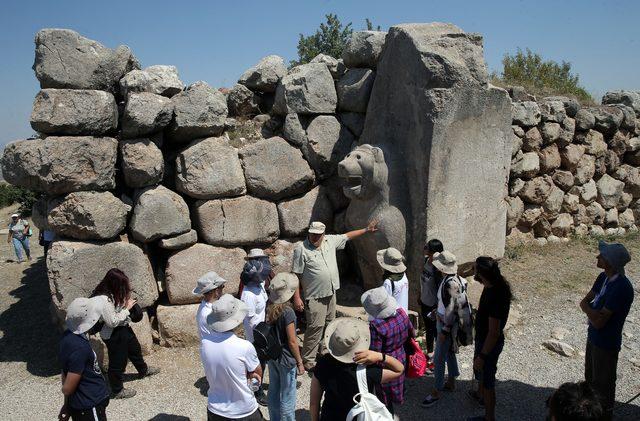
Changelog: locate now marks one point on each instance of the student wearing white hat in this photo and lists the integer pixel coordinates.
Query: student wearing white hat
(394, 278)
(86, 394)
(209, 286)
(314, 261)
(229, 363)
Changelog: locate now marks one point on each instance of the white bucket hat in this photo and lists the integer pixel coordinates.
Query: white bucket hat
(392, 260)
(378, 303)
(445, 262)
(84, 313)
(226, 313)
(282, 287)
(15, 215)
(255, 253)
(208, 282)
(345, 336)
(317, 228)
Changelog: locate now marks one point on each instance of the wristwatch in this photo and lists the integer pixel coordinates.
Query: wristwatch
(384, 357)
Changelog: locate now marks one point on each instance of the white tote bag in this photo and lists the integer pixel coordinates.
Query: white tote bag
(368, 407)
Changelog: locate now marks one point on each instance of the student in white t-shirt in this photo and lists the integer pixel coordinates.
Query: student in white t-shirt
(209, 286)
(395, 278)
(255, 273)
(230, 363)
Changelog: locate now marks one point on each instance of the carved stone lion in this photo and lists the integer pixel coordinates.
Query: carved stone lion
(365, 174)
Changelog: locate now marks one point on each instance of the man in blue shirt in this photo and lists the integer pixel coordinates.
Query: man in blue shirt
(86, 395)
(607, 306)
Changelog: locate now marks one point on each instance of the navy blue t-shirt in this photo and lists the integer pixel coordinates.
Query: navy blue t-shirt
(617, 297)
(76, 356)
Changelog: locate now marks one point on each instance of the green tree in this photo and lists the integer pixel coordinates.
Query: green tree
(370, 26)
(10, 194)
(541, 77)
(329, 39)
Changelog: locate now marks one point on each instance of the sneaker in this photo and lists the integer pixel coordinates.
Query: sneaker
(473, 394)
(124, 394)
(150, 372)
(429, 401)
(428, 371)
(261, 397)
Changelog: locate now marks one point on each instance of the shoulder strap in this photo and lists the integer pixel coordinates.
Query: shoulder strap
(361, 374)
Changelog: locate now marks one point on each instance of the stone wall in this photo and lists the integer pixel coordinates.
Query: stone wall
(574, 169)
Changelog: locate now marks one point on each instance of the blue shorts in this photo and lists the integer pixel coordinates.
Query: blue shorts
(487, 376)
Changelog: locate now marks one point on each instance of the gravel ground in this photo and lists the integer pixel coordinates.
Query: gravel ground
(29, 372)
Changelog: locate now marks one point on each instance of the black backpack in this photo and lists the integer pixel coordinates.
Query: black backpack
(267, 342)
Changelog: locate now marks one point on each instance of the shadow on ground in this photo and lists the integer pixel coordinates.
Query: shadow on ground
(169, 417)
(29, 334)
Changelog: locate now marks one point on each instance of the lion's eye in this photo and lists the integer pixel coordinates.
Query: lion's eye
(358, 156)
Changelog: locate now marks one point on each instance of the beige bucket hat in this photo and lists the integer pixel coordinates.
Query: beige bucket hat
(345, 336)
(84, 313)
(378, 303)
(282, 287)
(317, 228)
(255, 253)
(445, 262)
(208, 282)
(226, 313)
(392, 260)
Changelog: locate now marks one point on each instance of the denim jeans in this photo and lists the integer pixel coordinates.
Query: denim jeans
(282, 392)
(443, 354)
(18, 245)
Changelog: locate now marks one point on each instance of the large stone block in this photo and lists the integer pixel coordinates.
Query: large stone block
(199, 111)
(74, 112)
(59, 165)
(243, 102)
(88, 215)
(159, 79)
(265, 75)
(525, 165)
(328, 142)
(180, 241)
(363, 49)
(296, 214)
(142, 330)
(609, 191)
(268, 180)
(629, 98)
(354, 89)
(436, 74)
(65, 59)
(210, 168)
(525, 113)
(145, 114)
(158, 213)
(336, 66)
(75, 268)
(243, 221)
(186, 266)
(306, 89)
(142, 162)
(177, 325)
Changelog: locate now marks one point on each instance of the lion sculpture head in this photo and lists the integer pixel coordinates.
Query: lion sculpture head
(365, 173)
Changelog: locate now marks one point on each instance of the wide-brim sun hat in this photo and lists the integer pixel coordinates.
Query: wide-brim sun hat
(345, 336)
(378, 303)
(391, 260)
(15, 215)
(317, 228)
(208, 282)
(84, 313)
(226, 313)
(282, 287)
(255, 254)
(615, 254)
(445, 262)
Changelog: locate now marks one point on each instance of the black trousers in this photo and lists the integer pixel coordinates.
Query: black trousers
(600, 372)
(429, 326)
(256, 416)
(97, 413)
(122, 346)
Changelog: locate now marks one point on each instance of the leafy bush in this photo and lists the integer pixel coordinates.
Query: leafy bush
(540, 77)
(10, 194)
(329, 39)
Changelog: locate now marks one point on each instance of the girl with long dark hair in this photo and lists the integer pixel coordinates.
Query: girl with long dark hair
(493, 312)
(122, 344)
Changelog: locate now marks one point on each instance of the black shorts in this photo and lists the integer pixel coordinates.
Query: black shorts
(97, 413)
(487, 376)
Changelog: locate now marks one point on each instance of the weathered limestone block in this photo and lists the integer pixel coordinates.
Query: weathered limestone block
(519, 236)
(585, 170)
(516, 144)
(552, 111)
(68, 264)
(336, 66)
(159, 79)
(526, 165)
(566, 133)
(562, 225)
(186, 266)
(625, 201)
(629, 98)
(145, 114)
(180, 241)
(327, 143)
(267, 180)
(199, 111)
(296, 214)
(626, 219)
(537, 190)
(607, 119)
(570, 203)
(594, 143)
(549, 159)
(239, 221)
(609, 191)
(64, 59)
(588, 192)
(59, 165)
(563, 179)
(532, 140)
(241, 101)
(354, 88)
(88, 215)
(525, 113)
(265, 75)
(158, 213)
(142, 162)
(550, 132)
(585, 120)
(542, 228)
(293, 129)
(515, 209)
(580, 218)
(281, 255)
(210, 168)
(74, 112)
(142, 330)
(553, 204)
(570, 156)
(363, 49)
(306, 89)
(40, 213)
(177, 325)
(571, 105)
(530, 215)
(628, 117)
(611, 217)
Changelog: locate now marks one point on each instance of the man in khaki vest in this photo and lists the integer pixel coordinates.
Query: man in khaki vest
(314, 261)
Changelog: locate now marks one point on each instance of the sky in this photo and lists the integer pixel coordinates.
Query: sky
(216, 41)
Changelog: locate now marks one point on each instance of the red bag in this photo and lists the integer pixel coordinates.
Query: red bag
(416, 360)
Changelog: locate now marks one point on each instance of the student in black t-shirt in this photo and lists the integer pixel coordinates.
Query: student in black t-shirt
(86, 395)
(491, 319)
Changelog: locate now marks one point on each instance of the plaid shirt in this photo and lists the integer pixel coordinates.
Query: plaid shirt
(389, 336)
